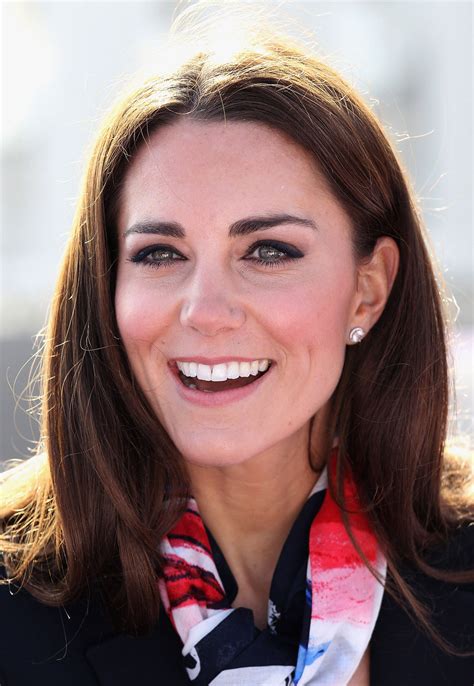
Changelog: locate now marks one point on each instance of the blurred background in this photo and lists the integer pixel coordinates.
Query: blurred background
(62, 64)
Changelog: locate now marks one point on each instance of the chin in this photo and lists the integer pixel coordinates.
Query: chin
(214, 455)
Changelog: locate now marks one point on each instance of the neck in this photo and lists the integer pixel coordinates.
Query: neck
(250, 507)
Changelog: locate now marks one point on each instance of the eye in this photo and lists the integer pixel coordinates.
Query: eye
(265, 253)
(156, 256)
(272, 253)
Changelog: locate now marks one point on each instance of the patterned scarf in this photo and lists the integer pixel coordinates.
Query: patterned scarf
(319, 620)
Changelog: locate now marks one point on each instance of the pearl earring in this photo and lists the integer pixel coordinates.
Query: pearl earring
(356, 334)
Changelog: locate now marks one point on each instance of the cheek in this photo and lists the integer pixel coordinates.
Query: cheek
(141, 316)
(313, 316)
(310, 324)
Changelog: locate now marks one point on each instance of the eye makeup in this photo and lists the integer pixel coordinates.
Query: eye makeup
(271, 254)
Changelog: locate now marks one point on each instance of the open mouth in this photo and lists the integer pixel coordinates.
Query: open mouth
(216, 386)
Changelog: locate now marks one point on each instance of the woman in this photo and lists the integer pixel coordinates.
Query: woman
(243, 476)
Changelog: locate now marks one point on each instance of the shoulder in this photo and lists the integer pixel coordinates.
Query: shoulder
(458, 551)
(77, 645)
(43, 644)
(452, 611)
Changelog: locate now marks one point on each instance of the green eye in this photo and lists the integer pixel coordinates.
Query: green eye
(156, 256)
(273, 253)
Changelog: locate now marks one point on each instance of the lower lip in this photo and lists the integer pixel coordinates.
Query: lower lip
(218, 398)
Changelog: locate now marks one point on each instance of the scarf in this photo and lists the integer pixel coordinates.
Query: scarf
(322, 608)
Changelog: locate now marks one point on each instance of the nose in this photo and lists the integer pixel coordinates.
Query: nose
(211, 305)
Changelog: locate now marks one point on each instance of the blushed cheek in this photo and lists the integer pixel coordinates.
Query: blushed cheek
(309, 316)
(311, 327)
(138, 315)
(140, 330)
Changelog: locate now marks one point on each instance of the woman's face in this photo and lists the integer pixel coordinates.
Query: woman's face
(232, 251)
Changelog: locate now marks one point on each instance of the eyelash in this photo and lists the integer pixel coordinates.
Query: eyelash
(290, 253)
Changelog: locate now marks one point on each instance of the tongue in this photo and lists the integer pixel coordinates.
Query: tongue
(214, 386)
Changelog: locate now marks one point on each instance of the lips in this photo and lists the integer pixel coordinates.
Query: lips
(217, 393)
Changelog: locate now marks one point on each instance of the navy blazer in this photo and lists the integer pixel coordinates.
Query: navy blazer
(77, 646)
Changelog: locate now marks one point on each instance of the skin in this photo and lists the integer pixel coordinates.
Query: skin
(247, 461)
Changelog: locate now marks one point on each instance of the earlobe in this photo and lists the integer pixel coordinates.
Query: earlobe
(375, 280)
(356, 334)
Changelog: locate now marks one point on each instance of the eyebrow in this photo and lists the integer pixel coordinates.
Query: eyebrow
(242, 227)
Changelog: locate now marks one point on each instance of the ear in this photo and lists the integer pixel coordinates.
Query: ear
(375, 277)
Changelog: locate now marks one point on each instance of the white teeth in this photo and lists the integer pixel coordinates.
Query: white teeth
(244, 369)
(223, 371)
(204, 372)
(219, 372)
(232, 370)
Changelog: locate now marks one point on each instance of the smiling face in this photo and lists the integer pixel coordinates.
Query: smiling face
(232, 249)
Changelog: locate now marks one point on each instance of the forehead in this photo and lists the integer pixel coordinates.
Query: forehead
(220, 170)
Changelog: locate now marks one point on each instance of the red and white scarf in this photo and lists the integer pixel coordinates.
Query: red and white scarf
(343, 600)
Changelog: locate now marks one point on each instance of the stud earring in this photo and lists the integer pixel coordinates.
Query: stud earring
(356, 334)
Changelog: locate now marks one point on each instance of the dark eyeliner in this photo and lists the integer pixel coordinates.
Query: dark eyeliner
(141, 255)
(289, 253)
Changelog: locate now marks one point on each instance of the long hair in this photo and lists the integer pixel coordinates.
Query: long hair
(108, 483)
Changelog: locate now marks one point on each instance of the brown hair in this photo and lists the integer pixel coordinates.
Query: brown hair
(109, 482)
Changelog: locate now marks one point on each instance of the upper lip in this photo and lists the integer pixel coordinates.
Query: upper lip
(217, 360)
